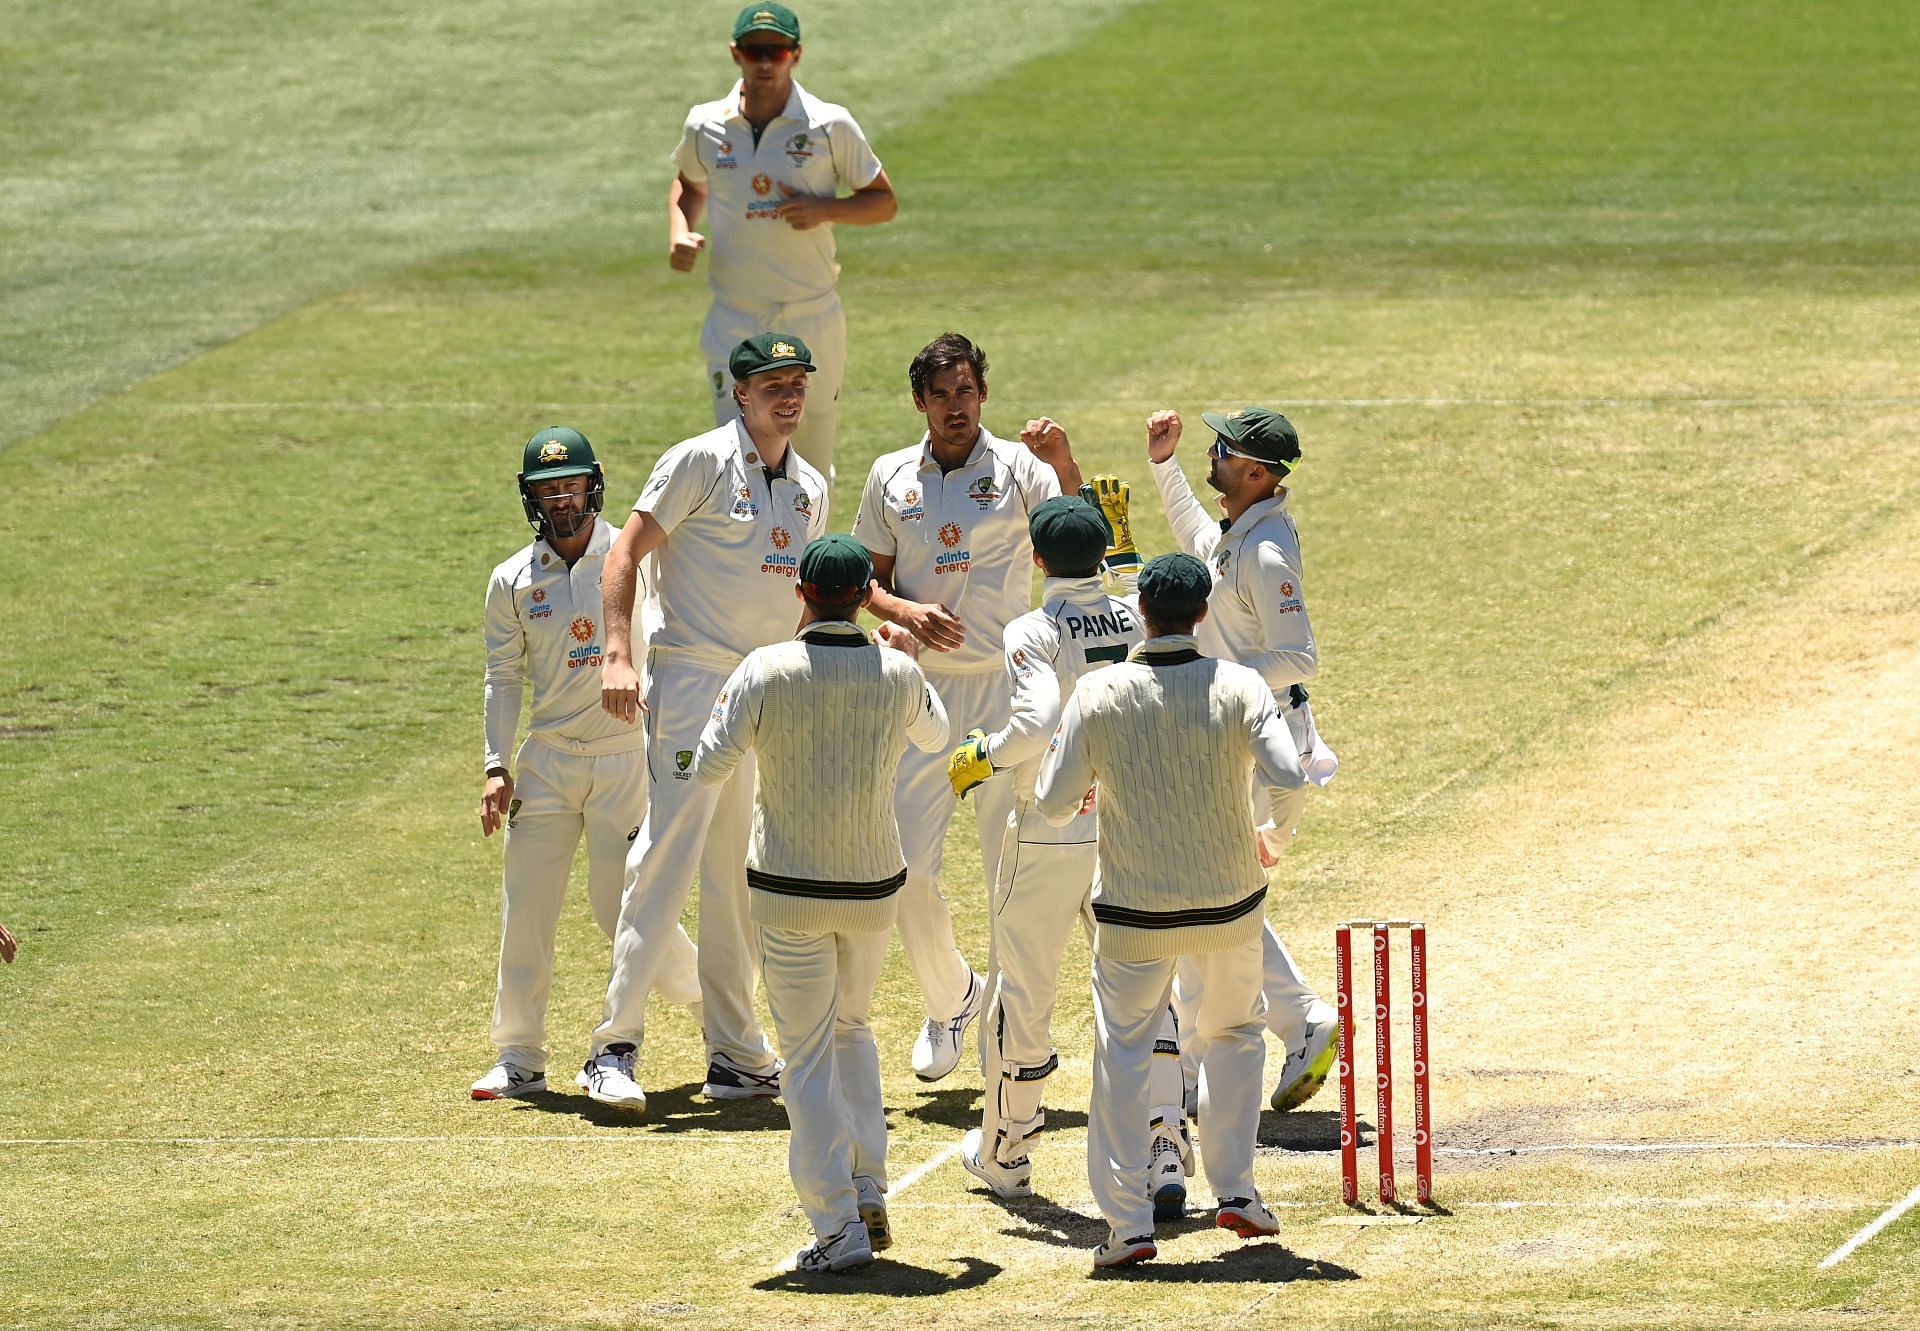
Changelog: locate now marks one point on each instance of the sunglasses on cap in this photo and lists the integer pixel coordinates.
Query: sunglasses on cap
(761, 52)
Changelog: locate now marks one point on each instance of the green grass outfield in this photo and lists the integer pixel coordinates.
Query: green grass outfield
(1597, 325)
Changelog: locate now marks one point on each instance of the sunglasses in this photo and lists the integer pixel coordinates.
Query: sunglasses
(1221, 449)
(762, 52)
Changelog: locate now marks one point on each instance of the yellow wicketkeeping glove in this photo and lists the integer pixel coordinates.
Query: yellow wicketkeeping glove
(969, 766)
(1113, 496)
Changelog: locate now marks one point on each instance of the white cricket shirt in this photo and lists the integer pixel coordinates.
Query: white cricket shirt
(724, 578)
(1257, 613)
(959, 539)
(813, 147)
(545, 623)
(1077, 629)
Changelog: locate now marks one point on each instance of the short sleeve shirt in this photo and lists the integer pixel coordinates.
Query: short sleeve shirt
(724, 578)
(959, 539)
(811, 147)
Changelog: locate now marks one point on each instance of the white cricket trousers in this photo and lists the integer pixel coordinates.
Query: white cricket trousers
(1043, 888)
(1128, 998)
(687, 824)
(820, 990)
(556, 797)
(822, 325)
(923, 802)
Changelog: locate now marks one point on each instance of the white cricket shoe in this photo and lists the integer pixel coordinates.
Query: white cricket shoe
(873, 1212)
(1166, 1179)
(1015, 1180)
(1117, 1251)
(507, 1080)
(1308, 1063)
(839, 1252)
(727, 1080)
(608, 1077)
(1246, 1216)
(936, 1051)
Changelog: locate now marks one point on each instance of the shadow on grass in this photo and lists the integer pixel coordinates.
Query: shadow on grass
(1305, 1130)
(671, 1109)
(887, 1277)
(1253, 1264)
(959, 1108)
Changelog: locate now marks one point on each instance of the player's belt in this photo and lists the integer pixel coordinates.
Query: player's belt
(781, 885)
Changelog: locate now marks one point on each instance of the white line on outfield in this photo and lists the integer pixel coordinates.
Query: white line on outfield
(924, 1168)
(1887, 1217)
(1608, 403)
(919, 1171)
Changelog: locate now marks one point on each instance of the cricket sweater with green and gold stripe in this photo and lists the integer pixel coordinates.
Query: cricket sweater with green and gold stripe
(1169, 740)
(829, 715)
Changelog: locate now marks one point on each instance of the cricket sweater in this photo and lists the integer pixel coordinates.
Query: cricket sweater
(1173, 739)
(830, 714)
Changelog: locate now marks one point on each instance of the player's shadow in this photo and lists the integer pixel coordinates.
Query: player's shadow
(1304, 1130)
(959, 1108)
(1040, 1219)
(886, 1276)
(670, 1109)
(1249, 1264)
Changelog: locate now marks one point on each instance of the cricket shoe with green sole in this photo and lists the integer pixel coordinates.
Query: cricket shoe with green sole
(1309, 1061)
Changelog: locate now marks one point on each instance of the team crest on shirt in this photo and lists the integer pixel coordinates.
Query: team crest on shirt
(799, 148)
(803, 504)
(781, 538)
(950, 534)
(984, 493)
(1222, 562)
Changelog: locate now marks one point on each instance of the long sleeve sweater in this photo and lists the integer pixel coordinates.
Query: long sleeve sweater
(829, 714)
(1173, 739)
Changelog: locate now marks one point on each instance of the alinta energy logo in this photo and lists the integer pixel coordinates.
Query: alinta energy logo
(581, 629)
(781, 538)
(950, 535)
(763, 185)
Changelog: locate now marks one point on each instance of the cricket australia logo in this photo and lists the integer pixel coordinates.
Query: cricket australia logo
(984, 492)
(681, 762)
(1221, 562)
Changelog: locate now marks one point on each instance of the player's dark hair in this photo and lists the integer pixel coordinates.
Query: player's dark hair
(1159, 626)
(845, 607)
(1047, 566)
(943, 353)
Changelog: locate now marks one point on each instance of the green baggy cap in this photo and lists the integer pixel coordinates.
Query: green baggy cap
(767, 18)
(768, 351)
(1260, 432)
(1068, 532)
(1174, 587)
(835, 567)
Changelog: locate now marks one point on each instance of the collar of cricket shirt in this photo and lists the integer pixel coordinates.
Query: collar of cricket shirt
(982, 451)
(751, 461)
(1073, 588)
(834, 632)
(1167, 649)
(795, 109)
(1256, 512)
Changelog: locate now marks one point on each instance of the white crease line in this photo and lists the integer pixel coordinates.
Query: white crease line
(1613, 403)
(1635, 1148)
(1887, 1217)
(924, 1168)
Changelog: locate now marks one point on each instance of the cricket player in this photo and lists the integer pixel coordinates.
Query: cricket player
(580, 770)
(768, 162)
(1259, 619)
(945, 521)
(829, 714)
(1046, 872)
(1173, 740)
(725, 515)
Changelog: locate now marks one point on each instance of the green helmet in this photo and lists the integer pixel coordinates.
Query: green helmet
(551, 454)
